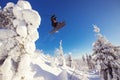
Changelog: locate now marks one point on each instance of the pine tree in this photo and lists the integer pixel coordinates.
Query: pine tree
(69, 60)
(60, 55)
(107, 57)
(89, 62)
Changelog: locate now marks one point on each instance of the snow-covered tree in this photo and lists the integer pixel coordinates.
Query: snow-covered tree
(60, 55)
(69, 60)
(18, 33)
(83, 58)
(90, 62)
(106, 57)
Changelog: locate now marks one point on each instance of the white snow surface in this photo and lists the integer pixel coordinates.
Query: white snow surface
(19, 59)
(6, 33)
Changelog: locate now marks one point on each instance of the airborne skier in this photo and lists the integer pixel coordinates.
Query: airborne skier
(56, 25)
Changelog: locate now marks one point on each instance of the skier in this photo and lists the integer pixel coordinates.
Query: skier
(56, 25)
(54, 21)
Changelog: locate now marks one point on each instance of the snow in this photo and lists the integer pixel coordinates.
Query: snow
(24, 4)
(6, 33)
(31, 17)
(10, 4)
(22, 31)
(19, 59)
(59, 73)
(6, 69)
(96, 29)
(17, 12)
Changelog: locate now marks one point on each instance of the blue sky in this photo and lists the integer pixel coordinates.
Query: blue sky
(79, 15)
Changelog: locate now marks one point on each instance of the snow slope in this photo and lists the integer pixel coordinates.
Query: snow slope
(46, 69)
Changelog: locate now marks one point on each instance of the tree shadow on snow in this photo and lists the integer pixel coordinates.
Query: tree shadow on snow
(42, 73)
(47, 75)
